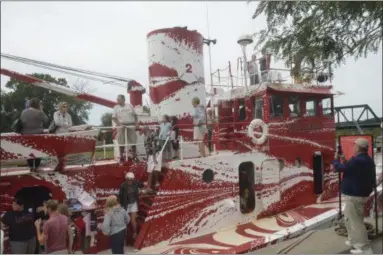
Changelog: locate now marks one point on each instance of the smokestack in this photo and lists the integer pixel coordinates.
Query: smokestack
(135, 90)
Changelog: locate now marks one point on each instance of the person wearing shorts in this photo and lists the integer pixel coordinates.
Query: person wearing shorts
(128, 196)
(125, 115)
(165, 128)
(199, 120)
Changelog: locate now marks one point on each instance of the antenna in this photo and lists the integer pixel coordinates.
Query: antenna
(208, 42)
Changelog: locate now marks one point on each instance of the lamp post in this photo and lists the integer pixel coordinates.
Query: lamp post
(243, 41)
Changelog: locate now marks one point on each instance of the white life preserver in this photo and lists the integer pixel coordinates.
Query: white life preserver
(265, 131)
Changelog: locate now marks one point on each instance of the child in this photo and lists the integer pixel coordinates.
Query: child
(151, 148)
(165, 128)
(174, 136)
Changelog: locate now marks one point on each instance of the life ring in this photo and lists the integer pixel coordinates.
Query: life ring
(265, 131)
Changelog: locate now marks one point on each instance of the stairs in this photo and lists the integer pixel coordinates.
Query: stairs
(145, 204)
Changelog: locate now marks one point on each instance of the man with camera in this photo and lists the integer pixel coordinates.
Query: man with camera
(357, 185)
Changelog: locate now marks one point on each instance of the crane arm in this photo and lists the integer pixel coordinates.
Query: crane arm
(60, 89)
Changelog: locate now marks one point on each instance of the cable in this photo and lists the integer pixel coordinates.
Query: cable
(12, 57)
(75, 74)
(47, 66)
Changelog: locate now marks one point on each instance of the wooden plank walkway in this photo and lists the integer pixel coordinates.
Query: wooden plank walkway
(322, 241)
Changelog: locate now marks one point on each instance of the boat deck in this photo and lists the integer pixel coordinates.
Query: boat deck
(256, 234)
(322, 241)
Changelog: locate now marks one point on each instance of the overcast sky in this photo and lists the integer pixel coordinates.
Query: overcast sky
(110, 37)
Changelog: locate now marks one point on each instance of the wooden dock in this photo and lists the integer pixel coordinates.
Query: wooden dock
(322, 241)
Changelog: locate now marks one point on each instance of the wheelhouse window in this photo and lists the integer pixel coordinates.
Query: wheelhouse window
(242, 110)
(276, 106)
(311, 108)
(327, 107)
(294, 106)
(258, 108)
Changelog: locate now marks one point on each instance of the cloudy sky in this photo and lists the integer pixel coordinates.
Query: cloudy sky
(110, 37)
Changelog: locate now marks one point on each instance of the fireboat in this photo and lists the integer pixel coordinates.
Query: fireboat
(277, 133)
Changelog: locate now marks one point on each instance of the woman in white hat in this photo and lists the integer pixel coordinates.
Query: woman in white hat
(62, 119)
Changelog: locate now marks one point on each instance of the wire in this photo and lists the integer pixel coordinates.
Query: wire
(59, 69)
(67, 68)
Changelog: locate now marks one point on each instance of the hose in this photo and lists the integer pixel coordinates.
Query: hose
(291, 246)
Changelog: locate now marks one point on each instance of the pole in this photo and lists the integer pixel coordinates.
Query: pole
(339, 189)
(340, 197)
(375, 190)
(245, 69)
(208, 36)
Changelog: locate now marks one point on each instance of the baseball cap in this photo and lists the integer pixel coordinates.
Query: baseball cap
(129, 175)
(362, 142)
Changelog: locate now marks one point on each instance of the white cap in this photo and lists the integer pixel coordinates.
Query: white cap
(362, 142)
(129, 175)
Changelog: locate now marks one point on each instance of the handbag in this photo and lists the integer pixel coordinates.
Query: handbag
(52, 127)
(17, 126)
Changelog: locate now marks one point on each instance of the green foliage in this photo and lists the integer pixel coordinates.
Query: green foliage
(13, 101)
(308, 32)
(106, 121)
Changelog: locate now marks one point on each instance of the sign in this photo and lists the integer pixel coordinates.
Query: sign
(86, 200)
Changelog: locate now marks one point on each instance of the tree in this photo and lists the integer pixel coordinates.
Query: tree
(307, 34)
(106, 120)
(13, 101)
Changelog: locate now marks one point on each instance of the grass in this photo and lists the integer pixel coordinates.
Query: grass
(100, 153)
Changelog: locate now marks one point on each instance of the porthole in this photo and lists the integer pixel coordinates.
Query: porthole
(208, 176)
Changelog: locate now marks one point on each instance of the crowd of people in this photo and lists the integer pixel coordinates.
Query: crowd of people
(33, 119)
(49, 232)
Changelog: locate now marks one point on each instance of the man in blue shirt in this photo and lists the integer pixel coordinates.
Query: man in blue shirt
(357, 185)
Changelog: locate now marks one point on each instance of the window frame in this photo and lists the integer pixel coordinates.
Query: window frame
(298, 103)
(255, 100)
(271, 112)
(315, 104)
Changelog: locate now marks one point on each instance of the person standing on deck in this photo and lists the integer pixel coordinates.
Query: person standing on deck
(199, 120)
(124, 115)
(62, 119)
(57, 236)
(210, 120)
(175, 137)
(163, 136)
(22, 234)
(357, 185)
(128, 196)
(151, 147)
(253, 70)
(33, 120)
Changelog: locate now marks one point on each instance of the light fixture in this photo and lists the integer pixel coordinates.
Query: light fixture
(245, 40)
